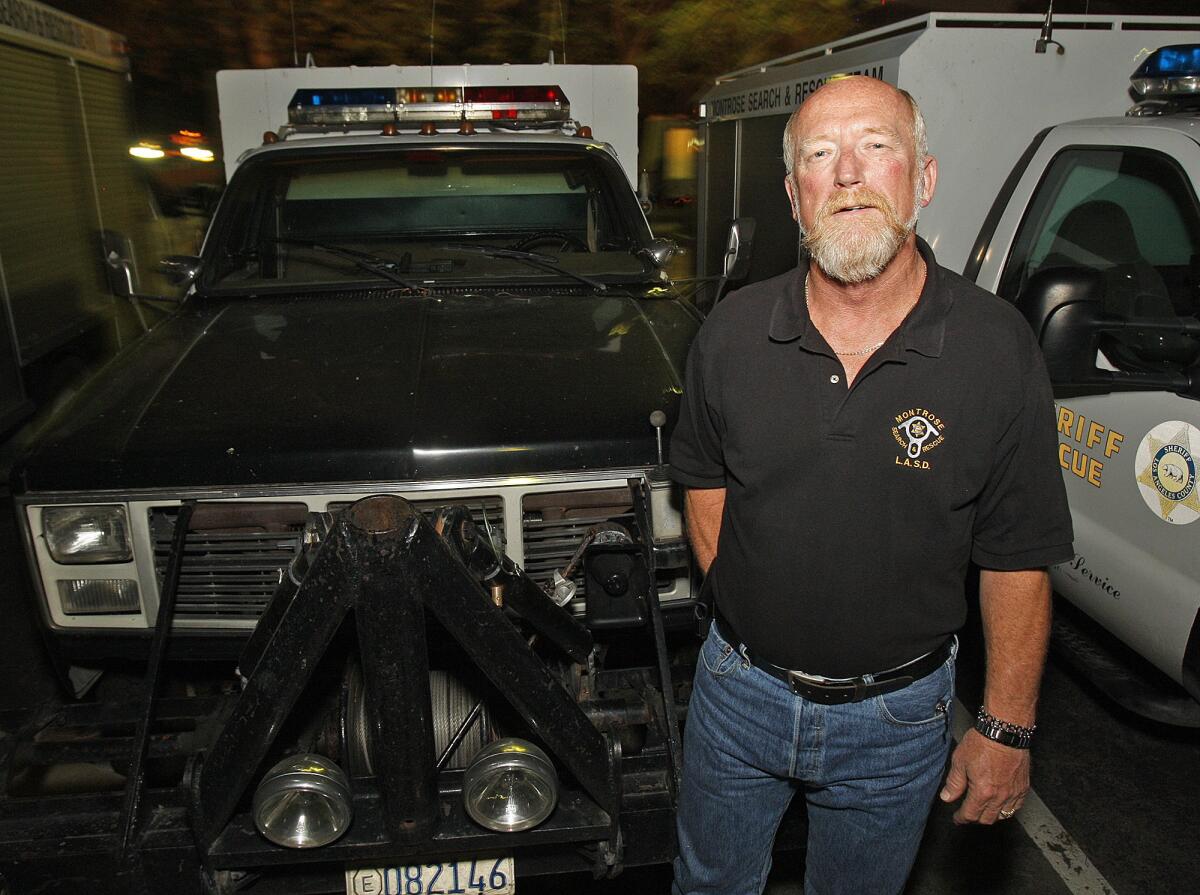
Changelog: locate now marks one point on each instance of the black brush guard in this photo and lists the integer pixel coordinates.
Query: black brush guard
(387, 563)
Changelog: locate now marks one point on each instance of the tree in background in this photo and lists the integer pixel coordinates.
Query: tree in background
(678, 45)
(175, 48)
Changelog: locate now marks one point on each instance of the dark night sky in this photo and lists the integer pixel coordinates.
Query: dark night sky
(175, 47)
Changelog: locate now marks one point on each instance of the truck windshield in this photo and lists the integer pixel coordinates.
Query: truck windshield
(297, 218)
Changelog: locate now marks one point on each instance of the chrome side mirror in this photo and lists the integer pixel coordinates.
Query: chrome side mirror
(120, 275)
(643, 192)
(739, 248)
(661, 251)
(180, 270)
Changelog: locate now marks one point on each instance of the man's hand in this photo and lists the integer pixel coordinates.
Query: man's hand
(1015, 609)
(994, 778)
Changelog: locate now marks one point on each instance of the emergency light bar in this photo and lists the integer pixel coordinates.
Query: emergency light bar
(1169, 71)
(525, 106)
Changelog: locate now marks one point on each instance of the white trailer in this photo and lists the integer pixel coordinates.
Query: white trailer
(983, 90)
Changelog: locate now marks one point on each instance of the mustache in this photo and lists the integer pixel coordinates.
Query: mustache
(854, 198)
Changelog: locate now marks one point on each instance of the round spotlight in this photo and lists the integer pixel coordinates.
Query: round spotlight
(303, 802)
(510, 786)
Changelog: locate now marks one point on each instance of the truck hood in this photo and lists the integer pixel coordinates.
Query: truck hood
(371, 387)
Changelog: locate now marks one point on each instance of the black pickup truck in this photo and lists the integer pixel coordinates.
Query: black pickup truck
(374, 529)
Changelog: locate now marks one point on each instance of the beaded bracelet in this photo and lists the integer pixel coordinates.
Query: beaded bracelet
(1004, 732)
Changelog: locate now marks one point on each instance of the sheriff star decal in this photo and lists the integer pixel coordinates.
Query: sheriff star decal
(1166, 471)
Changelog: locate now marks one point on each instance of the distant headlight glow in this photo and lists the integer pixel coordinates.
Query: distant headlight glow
(197, 153)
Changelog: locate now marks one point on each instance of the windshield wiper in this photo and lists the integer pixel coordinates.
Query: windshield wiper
(532, 259)
(362, 260)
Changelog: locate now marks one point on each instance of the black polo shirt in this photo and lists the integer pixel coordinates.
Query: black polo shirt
(851, 515)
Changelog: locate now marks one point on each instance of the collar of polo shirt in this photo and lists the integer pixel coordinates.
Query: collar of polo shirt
(923, 330)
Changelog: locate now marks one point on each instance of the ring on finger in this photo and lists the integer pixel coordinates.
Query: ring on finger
(1006, 813)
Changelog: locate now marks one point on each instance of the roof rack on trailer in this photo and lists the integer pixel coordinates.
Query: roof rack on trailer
(1032, 21)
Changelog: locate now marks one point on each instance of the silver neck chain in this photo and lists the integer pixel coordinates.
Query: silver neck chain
(861, 351)
(870, 349)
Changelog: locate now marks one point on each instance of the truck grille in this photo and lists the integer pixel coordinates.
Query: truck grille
(227, 575)
(236, 556)
(553, 525)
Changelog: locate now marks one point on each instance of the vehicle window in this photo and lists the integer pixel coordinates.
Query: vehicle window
(429, 193)
(1131, 215)
(399, 207)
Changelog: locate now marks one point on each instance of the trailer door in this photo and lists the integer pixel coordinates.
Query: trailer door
(761, 195)
(742, 176)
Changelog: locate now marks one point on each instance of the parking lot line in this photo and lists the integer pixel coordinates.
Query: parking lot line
(1062, 852)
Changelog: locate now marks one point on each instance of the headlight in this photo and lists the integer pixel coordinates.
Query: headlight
(98, 596)
(86, 534)
(303, 802)
(510, 786)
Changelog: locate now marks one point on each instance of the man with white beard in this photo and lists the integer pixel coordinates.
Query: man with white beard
(853, 435)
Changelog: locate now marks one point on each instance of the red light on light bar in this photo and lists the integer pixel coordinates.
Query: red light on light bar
(532, 94)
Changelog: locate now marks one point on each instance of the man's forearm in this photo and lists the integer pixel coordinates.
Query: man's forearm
(1015, 607)
(703, 509)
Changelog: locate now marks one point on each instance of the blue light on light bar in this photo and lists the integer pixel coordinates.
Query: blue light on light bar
(352, 96)
(345, 107)
(1168, 62)
(1169, 71)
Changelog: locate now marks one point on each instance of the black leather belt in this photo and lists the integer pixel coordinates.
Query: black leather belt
(837, 691)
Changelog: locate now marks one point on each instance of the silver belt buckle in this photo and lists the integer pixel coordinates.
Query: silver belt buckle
(798, 680)
(815, 680)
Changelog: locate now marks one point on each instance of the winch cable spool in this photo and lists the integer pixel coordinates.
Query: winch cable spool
(457, 712)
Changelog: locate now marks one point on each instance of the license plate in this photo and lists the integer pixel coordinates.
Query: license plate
(475, 876)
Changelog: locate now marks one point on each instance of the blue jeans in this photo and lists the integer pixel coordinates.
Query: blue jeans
(868, 771)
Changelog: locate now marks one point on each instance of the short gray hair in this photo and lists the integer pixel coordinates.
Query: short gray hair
(920, 138)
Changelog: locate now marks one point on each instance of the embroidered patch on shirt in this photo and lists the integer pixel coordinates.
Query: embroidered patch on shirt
(918, 431)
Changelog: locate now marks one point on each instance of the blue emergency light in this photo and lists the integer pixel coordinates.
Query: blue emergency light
(501, 106)
(354, 96)
(343, 106)
(1169, 71)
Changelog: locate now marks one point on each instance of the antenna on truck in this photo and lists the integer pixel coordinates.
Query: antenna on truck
(295, 49)
(1045, 39)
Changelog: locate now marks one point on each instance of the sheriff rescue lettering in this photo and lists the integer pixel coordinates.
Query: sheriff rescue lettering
(1089, 437)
